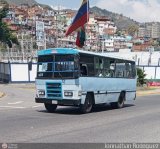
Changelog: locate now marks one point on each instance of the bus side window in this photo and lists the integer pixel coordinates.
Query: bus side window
(120, 69)
(99, 66)
(100, 73)
(88, 62)
(128, 70)
(83, 69)
(133, 70)
(112, 69)
(109, 67)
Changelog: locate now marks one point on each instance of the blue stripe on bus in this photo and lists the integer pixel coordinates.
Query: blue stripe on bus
(57, 51)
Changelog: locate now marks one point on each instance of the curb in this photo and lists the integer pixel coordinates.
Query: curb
(147, 93)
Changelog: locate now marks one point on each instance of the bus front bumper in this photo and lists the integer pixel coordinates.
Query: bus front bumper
(64, 102)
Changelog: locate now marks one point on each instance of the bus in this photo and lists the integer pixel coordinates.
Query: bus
(72, 77)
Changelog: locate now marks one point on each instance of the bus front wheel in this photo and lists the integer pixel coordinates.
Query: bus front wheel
(50, 107)
(120, 103)
(87, 106)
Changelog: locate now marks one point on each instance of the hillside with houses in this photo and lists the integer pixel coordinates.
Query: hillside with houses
(21, 2)
(104, 32)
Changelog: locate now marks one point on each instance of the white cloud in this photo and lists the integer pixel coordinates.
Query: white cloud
(139, 10)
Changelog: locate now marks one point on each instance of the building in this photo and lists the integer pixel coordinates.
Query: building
(142, 31)
(155, 30)
(149, 30)
(2, 4)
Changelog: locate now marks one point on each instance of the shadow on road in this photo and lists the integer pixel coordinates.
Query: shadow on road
(76, 111)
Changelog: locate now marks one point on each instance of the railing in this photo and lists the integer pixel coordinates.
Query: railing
(4, 72)
(17, 56)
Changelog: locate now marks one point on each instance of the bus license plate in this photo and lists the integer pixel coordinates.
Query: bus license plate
(54, 101)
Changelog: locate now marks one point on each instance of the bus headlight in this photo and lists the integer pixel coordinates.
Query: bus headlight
(79, 93)
(41, 92)
(68, 93)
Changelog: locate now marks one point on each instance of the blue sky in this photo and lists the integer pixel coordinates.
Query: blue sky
(139, 10)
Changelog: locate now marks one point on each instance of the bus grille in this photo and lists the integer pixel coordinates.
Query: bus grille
(54, 90)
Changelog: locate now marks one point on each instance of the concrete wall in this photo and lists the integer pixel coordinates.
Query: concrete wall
(19, 72)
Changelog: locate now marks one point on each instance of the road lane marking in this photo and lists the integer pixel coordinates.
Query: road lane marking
(37, 106)
(14, 103)
(12, 107)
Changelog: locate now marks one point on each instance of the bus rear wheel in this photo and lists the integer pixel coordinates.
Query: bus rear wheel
(50, 107)
(87, 106)
(120, 103)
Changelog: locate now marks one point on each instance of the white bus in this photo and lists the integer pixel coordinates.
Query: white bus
(71, 77)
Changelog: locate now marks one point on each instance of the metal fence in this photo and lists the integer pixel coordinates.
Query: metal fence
(17, 56)
(5, 72)
(20, 72)
(152, 72)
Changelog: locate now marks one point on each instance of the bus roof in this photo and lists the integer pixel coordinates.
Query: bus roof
(76, 51)
(57, 51)
(105, 55)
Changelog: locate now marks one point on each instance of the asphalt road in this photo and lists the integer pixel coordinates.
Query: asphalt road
(23, 121)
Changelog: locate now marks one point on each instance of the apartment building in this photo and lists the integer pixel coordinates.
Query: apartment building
(150, 30)
(155, 30)
(142, 31)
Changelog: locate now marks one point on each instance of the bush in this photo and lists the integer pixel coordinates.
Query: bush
(141, 77)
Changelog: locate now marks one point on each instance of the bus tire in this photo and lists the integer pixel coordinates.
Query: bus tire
(120, 103)
(88, 105)
(50, 107)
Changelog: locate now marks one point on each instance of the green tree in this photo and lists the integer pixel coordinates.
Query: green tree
(6, 35)
(119, 33)
(132, 29)
(141, 77)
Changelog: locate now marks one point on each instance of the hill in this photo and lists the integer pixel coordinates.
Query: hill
(120, 21)
(29, 2)
(19, 2)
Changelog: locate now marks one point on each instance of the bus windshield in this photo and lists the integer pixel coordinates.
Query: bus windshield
(58, 66)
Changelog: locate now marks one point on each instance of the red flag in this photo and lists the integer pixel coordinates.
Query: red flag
(81, 17)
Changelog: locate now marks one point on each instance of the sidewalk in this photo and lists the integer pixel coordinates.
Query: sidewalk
(153, 91)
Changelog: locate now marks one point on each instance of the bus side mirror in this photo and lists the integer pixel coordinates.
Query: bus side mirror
(30, 65)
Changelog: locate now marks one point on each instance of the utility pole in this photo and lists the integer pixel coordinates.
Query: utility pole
(57, 28)
(98, 40)
(150, 55)
(22, 45)
(45, 41)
